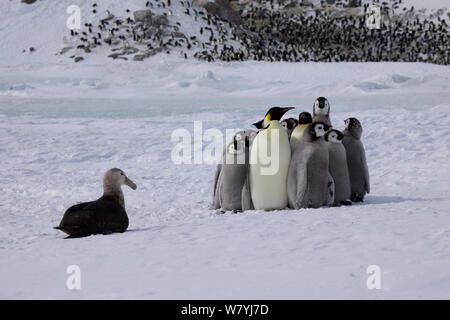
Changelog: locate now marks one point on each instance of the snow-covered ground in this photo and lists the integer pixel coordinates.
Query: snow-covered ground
(62, 125)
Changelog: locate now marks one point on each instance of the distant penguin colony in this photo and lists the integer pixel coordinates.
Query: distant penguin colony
(315, 166)
(292, 31)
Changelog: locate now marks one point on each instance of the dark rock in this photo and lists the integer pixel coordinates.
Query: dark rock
(64, 50)
(221, 9)
(78, 59)
(160, 21)
(144, 16)
(114, 55)
(139, 57)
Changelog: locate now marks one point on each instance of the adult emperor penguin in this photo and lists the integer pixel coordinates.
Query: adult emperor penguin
(356, 160)
(310, 184)
(304, 119)
(321, 111)
(338, 167)
(232, 171)
(270, 156)
(103, 216)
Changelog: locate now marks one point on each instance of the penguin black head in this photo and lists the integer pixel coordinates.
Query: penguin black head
(242, 141)
(289, 123)
(304, 118)
(321, 106)
(276, 113)
(334, 136)
(318, 129)
(354, 127)
(259, 124)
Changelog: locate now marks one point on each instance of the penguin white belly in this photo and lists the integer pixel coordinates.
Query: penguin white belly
(268, 179)
(296, 136)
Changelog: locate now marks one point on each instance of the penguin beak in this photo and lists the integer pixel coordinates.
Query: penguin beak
(130, 183)
(284, 110)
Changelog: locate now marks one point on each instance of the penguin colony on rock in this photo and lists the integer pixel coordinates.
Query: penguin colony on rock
(315, 166)
(265, 31)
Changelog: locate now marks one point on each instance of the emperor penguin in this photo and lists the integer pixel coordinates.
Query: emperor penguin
(289, 124)
(321, 111)
(356, 160)
(232, 171)
(338, 167)
(310, 184)
(304, 119)
(270, 156)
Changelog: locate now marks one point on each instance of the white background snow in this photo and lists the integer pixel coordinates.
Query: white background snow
(62, 125)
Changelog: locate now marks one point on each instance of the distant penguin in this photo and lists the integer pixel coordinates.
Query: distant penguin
(304, 120)
(232, 171)
(289, 124)
(270, 155)
(103, 216)
(338, 167)
(321, 111)
(310, 184)
(356, 160)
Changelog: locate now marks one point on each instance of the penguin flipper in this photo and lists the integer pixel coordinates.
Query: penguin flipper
(215, 202)
(246, 198)
(302, 187)
(366, 172)
(330, 191)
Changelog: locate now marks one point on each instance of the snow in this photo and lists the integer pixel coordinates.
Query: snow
(62, 125)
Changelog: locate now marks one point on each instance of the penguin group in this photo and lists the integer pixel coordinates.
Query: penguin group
(308, 164)
(336, 31)
(293, 31)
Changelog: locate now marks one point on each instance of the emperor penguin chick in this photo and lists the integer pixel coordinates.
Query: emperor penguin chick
(321, 111)
(338, 167)
(232, 171)
(356, 160)
(310, 184)
(289, 124)
(304, 119)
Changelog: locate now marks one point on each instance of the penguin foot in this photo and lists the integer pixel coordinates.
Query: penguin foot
(357, 198)
(346, 203)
